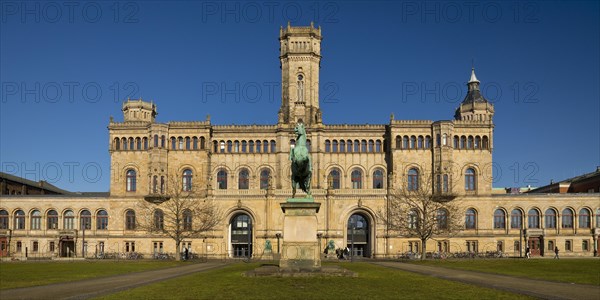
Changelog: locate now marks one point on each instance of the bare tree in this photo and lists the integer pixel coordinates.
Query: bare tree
(417, 210)
(183, 212)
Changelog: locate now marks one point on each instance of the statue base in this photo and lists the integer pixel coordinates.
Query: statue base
(300, 248)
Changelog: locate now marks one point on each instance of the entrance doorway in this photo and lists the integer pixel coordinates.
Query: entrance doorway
(67, 246)
(241, 235)
(358, 235)
(534, 244)
(3, 246)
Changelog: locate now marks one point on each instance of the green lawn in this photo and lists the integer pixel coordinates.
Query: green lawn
(586, 271)
(23, 274)
(373, 282)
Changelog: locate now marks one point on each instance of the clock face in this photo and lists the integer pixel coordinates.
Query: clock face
(300, 77)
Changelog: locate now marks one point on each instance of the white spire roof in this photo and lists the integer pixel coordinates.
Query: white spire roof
(473, 77)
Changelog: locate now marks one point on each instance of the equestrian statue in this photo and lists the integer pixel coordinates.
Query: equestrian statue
(301, 162)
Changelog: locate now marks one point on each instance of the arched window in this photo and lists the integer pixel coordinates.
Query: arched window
(378, 179)
(445, 183)
(173, 143)
(463, 142)
(470, 180)
(427, 142)
(156, 141)
(244, 179)
(442, 219)
(85, 219)
(327, 146)
(300, 88)
(138, 143)
(335, 146)
(308, 145)
(36, 220)
(241, 235)
(398, 142)
(550, 218)
(356, 146)
(470, 219)
(456, 143)
(195, 143)
(244, 146)
(187, 180)
(413, 219)
(258, 147)
(52, 219)
(69, 220)
(420, 142)
(567, 218)
(222, 179)
(124, 143)
(349, 147)
(485, 143)
(251, 146)
(584, 218)
(187, 220)
(413, 142)
(405, 142)
(236, 146)
(130, 220)
(444, 139)
(180, 141)
(264, 178)
(477, 142)
(187, 143)
(378, 146)
(145, 142)
(159, 220)
(273, 146)
(363, 146)
(333, 179)
(130, 180)
(19, 219)
(516, 219)
(438, 140)
(131, 144)
(371, 146)
(342, 146)
(155, 184)
(356, 178)
(413, 179)
(598, 217)
(117, 144)
(533, 218)
(202, 143)
(102, 220)
(470, 142)
(265, 146)
(4, 219)
(499, 219)
(163, 141)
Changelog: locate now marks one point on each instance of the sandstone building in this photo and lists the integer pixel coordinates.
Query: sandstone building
(245, 170)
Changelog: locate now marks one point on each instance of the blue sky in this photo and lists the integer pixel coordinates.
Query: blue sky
(66, 68)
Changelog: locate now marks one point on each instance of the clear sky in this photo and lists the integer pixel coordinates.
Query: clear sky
(66, 67)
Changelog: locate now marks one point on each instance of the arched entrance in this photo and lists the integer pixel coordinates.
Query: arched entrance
(241, 235)
(358, 235)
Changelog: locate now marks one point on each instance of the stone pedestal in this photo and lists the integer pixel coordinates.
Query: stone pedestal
(300, 248)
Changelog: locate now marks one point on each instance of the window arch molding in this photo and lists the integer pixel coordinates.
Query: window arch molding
(499, 218)
(378, 181)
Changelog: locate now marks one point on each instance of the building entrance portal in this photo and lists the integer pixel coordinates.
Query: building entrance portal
(534, 244)
(67, 246)
(358, 236)
(241, 236)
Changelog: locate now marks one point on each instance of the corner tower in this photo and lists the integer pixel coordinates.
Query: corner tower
(139, 110)
(300, 58)
(474, 107)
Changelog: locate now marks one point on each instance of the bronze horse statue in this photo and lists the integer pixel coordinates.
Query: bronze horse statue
(301, 162)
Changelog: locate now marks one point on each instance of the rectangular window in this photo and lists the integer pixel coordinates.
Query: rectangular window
(585, 245)
(551, 245)
(568, 245)
(35, 246)
(500, 246)
(472, 246)
(19, 246)
(516, 246)
(51, 246)
(413, 247)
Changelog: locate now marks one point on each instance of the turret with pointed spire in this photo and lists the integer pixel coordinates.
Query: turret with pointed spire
(474, 107)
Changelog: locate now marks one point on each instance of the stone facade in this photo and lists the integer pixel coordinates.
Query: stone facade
(245, 169)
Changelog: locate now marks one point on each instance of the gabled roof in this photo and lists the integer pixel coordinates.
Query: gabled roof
(42, 184)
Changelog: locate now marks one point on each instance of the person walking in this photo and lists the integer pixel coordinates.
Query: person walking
(556, 252)
(527, 251)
